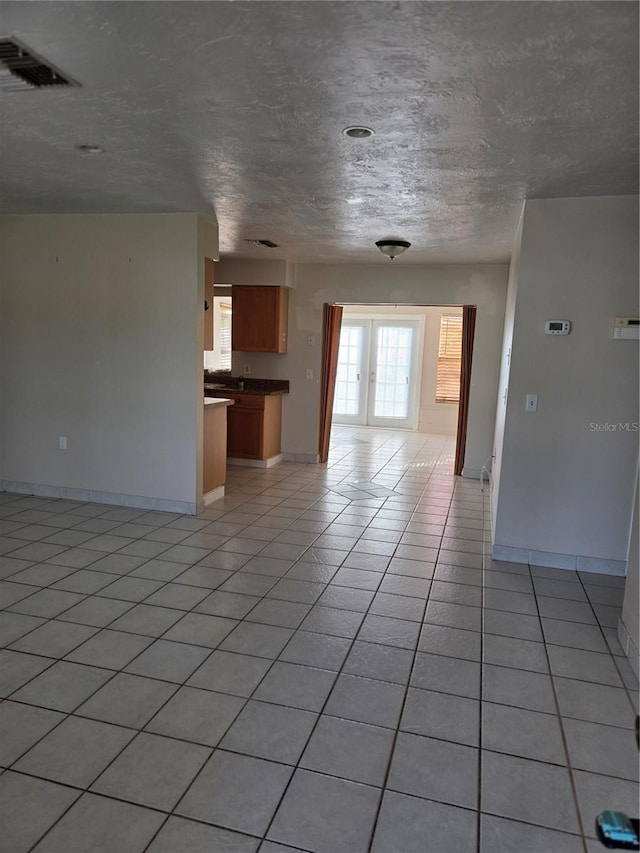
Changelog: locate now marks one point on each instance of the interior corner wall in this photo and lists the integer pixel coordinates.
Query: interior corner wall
(99, 343)
(629, 625)
(483, 285)
(503, 382)
(568, 471)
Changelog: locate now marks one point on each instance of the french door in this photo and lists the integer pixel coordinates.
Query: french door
(378, 373)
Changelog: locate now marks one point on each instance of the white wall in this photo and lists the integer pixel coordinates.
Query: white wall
(503, 382)
(438, 418)
(629, 626)
(566, 489)
(101, 341)
(483, 285)
(256, 272)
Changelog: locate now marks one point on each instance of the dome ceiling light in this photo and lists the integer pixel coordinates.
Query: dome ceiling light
(392, 248)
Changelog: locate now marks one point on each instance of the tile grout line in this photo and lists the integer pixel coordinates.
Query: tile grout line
(485, 544)
(340, 671)
(383, 785)
(563, 734)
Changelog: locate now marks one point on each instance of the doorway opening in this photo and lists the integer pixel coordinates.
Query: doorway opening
(406, 367)
(378, 374)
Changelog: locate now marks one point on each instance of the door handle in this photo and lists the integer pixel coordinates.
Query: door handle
(357, 377)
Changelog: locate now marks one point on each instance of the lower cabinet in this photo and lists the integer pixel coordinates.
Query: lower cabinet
(254, 424)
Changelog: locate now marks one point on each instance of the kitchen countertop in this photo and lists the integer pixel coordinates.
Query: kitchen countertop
(264, 387)
(236, 392)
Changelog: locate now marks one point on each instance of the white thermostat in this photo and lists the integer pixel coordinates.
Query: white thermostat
(557, 327)
(626, 329)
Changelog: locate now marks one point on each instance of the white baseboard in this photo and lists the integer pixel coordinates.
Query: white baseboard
(213, 495)
(256, 463)
(304, 458)
(571, 562)
(629, 647)
(471, 473)
(92, 496)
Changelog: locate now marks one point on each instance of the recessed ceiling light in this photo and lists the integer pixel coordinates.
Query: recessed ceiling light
(90, 149)
(357, 132)
(356, 200)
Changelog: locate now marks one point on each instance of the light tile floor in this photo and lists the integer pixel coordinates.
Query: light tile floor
(325, 660)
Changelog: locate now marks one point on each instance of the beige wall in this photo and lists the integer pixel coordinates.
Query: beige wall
(101, 341)
(566, 488)
(629, 628)
(483, 285)
(503, 382)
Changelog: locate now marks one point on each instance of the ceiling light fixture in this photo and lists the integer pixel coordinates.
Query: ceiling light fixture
(90, 149)
(357, 132)
(392, 248)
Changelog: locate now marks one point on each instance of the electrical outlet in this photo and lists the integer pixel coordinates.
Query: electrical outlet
(309, 374)
(311, 340)
(531, 404)
(62, 442)
(246, 369)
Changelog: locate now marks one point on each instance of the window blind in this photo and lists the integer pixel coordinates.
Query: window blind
(225, 335)
(449, 359)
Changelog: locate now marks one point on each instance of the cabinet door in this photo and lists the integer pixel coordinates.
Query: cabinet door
(244, 433)
(260, 318)
(208, 304)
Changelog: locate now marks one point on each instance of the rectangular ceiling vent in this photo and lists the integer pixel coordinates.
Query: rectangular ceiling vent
(268, 244)
(22, 69)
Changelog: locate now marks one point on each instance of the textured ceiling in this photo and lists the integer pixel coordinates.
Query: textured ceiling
(237, 109)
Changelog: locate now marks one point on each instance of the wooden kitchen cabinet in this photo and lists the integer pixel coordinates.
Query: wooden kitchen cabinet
(259, 319)
(208, 301)
(254, 425)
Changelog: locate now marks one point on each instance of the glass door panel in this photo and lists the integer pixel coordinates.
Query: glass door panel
(392, 392)
(349, 403)
(377, 375)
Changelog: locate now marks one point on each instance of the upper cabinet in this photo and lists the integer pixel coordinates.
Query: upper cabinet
(259, 318)
(208, 304)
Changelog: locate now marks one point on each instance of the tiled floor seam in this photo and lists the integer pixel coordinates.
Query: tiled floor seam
(574, 791)
(402, 707)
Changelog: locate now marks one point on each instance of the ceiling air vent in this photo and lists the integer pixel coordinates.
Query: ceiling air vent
(22, 69)
(269, 244)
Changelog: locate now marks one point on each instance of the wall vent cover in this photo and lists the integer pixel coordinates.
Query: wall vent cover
(22, 69)
(269, 244)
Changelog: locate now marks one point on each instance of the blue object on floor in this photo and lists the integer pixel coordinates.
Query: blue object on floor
(616, 830)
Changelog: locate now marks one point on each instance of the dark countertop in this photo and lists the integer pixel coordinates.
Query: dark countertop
(236, 392)
(267, 387)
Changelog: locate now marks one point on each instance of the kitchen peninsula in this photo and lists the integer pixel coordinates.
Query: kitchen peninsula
(214, 449)
(254, 423)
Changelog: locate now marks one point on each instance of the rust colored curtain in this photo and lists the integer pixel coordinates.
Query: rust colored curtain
(468, 332)
(332, 318)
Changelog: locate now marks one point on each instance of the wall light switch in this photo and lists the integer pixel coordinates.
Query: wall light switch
(62, 442)
(309, 374)
(531, 404)
(246, 369)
